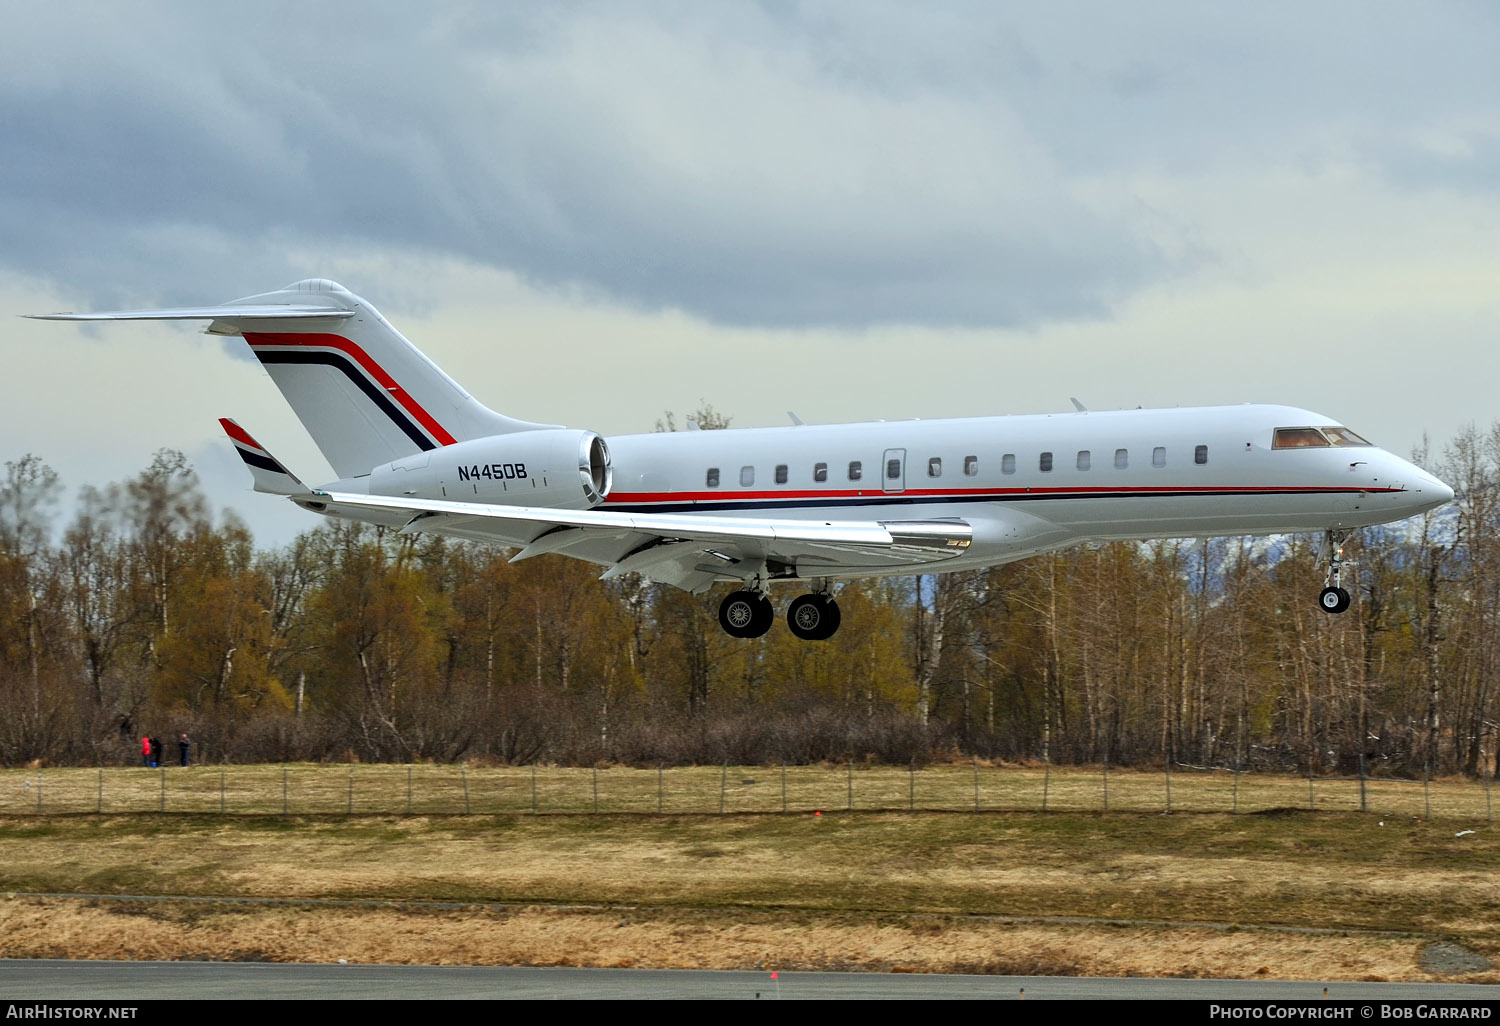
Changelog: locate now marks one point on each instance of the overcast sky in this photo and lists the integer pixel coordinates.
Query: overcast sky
(592, 213)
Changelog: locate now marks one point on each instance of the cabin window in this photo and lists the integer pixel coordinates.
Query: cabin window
(1008, 463)
(713, 477)
(747, 476)
(1200, 454)
(781, 473)
(934, 467)
(856, 470)
(1122, 459)
(893, 470)
(1159, 456)
(1045, 463)
(1083, 459)
(1298, 438)
(820, 472)
(971, 466)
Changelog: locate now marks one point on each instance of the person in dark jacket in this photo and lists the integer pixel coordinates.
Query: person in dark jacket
(156, 751)
(184, 746)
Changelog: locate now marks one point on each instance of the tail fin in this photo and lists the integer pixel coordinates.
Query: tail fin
(269, 473)
(365, 394)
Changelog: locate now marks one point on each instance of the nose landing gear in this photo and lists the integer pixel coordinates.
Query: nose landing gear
(1333, 598)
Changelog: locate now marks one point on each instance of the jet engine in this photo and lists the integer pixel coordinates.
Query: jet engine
(555, 468)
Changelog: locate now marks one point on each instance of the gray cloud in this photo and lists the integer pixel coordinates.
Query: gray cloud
(751, 164)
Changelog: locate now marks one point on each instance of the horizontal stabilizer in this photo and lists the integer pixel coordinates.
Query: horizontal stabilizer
(206, 313)
(268, 472)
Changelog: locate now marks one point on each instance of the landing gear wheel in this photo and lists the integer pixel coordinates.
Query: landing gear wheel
(813, 617)
(744, 614)
(1333, 600)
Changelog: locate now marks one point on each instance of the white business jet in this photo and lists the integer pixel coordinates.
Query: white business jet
(813, 504)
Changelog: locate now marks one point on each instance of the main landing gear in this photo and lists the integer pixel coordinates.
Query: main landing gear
(1333, 598)
(749, 614)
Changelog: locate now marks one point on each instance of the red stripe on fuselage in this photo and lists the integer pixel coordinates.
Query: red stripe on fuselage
(367, 364)
(728, 495)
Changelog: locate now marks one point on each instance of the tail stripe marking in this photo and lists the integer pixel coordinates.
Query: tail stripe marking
(239, 434)
(256, 459)
(349, 358)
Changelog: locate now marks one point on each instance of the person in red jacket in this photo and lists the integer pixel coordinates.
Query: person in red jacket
(146, 752)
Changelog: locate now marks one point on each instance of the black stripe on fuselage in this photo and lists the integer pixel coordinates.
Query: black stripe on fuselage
(342, 363)
(927, 500)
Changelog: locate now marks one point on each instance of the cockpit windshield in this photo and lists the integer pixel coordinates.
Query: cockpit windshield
(1343, 436)
(1311, 437)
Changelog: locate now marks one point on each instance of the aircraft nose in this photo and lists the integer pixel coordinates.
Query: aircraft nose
(1430, 492)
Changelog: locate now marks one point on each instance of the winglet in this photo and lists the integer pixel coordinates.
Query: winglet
(270, 476)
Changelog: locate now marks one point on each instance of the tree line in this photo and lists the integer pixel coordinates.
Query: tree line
(146, 615)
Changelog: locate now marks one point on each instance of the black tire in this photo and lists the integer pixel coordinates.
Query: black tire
(765, 615)
(1333, 600)
(744, 614)
(813, 617)
(737, 613)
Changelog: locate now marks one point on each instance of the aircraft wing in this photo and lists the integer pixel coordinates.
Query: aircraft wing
(688, 550)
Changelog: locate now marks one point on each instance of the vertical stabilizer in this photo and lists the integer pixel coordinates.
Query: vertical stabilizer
(366, 395)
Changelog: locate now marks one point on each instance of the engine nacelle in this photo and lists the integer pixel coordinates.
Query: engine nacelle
(557, 468)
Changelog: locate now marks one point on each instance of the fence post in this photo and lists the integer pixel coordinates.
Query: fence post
(1046, 782)
(783, 787)
(1362, 805)
(911, 790)
(1488, 818)
(1312, 801)
(162, 806)
(1426, 795)
(349, 803)
(285, 801)
(1236, 787)
(533, 787)
(408, 788)
(596, 789)
(100, 807)
(1169, 784)
(850, 805)
(659, 768)
(723, 782)
(222, 789)
(1106, 783)
(463, 770)
(38, 790)
(976, 783)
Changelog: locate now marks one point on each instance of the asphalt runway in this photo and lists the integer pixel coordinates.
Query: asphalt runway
(58, 980)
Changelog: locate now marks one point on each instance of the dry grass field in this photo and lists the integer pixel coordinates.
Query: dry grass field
(1274, 891)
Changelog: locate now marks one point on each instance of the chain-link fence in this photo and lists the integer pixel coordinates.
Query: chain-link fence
(363, 789)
